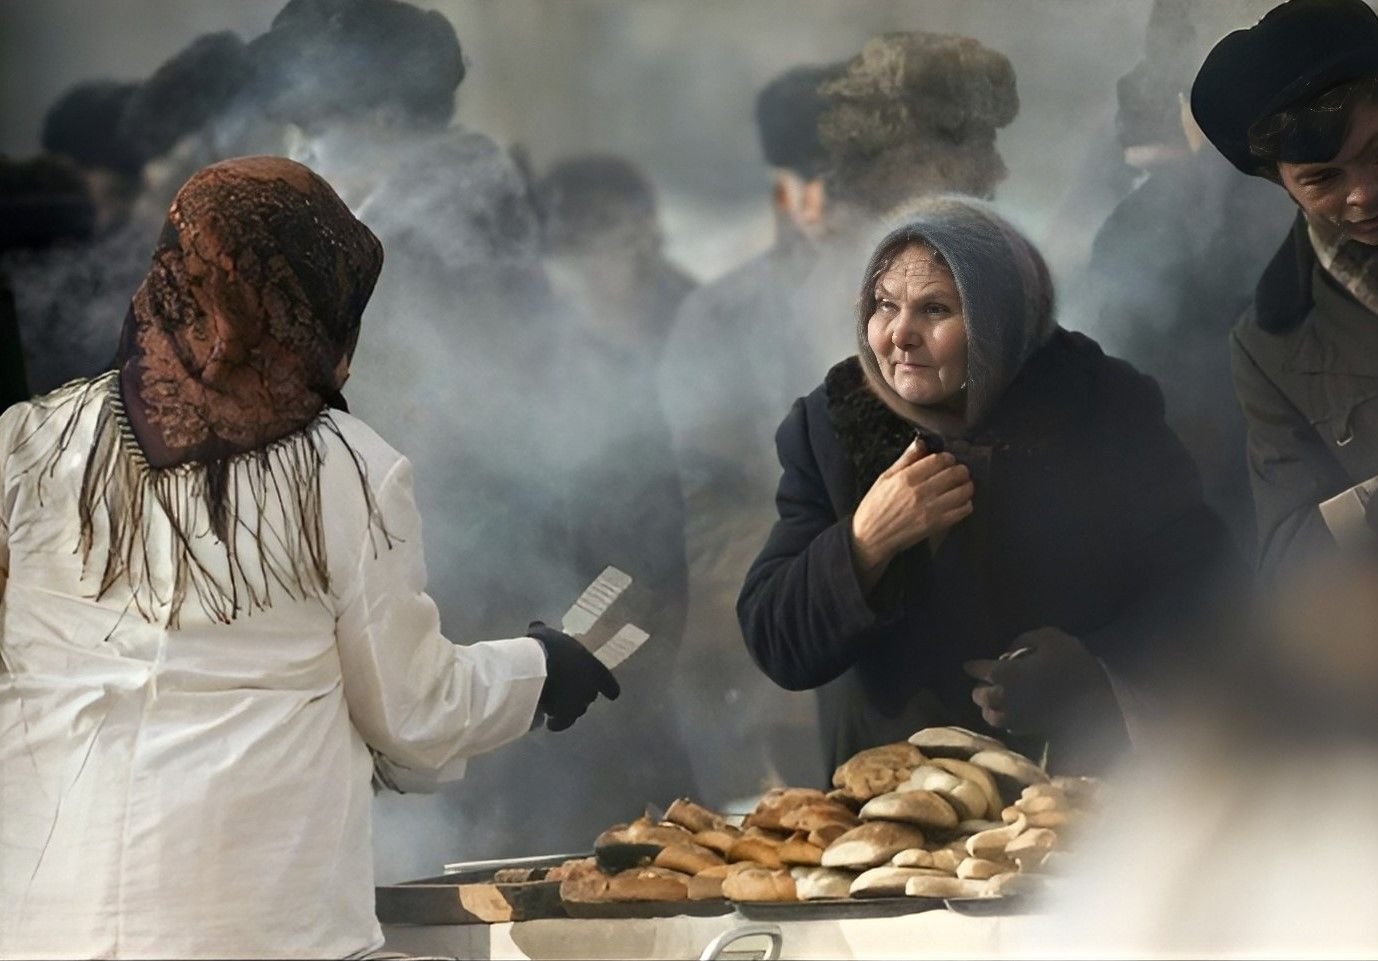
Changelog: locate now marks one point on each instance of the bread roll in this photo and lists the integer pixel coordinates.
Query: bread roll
(718, 839)
(1030, 849)
(978, 776)
(939, 886)
(957, 742)
(759, 884)
(779, 801)
(810, 817)
(648, 884)
(644, 831)
(968, 828)
(1004, 885)
(756, 849)
(571, 868)
(1041, 803)
(811, 884)
(840, 796)
(913, 858)
(914, 806)
(990, 845)
(797, 850)
(876, 770)
(1049, 819)
(947, 858)
(1012, 772)
(871, 844)
(966, 797)
(687, 857)
(692, 817)
(586, 886)
(1038, 792)
(827, 834)
(705, 887)
(887, 881)
(979, 869)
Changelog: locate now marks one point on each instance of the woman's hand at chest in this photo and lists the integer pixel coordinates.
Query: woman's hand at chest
(917, 496)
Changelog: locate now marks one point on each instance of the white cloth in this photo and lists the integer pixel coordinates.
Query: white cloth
(205, 791)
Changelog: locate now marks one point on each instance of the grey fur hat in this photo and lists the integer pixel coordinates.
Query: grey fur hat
(1007, 301)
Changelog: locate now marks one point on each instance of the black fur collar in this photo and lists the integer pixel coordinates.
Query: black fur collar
(872, 434)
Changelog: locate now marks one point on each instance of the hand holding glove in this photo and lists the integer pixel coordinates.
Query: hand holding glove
(1046, 683)
(574, 677)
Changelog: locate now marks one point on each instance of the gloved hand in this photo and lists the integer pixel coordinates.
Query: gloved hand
(1047, 682)
(573, 677)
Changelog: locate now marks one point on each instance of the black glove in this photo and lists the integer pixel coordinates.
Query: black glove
(1046, 684)
(573, 677)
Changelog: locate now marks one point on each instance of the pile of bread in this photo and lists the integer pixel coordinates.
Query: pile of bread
(948, 814)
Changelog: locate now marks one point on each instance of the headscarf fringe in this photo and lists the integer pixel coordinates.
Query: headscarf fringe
(272, 552)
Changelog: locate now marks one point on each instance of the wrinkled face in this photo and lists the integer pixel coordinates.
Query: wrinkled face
(917, 330)
(1343, 192)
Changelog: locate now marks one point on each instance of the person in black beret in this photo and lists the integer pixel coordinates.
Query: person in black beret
(1294, 99)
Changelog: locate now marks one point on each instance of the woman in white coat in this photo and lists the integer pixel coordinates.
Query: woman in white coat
(213, 618)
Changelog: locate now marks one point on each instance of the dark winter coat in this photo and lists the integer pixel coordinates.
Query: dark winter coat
(1305, 360)
(1088, 517)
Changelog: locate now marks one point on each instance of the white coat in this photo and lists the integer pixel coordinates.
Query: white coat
(204, 790)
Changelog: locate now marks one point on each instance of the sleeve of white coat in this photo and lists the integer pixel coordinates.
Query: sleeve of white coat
(421, 702)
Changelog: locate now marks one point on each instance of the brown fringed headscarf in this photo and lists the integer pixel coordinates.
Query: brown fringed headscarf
(249, 315)
(241, 331)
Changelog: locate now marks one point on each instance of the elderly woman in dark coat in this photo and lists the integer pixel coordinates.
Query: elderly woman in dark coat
(978, 482)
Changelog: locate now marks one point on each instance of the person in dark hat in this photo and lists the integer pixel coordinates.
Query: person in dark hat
(1294, 99)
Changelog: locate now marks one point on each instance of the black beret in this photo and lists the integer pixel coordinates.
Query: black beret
(1297, 51)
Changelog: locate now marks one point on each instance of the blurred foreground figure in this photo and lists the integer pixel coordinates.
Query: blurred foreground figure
(913, 113)
(1294, 99)
(194, 700)
(1246, 829)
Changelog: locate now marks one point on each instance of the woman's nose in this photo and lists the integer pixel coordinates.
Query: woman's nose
(906, 333)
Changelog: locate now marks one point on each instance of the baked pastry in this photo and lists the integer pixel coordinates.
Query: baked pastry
(811, 884)
(1012, 772)
(888, 881)
(943, 886)
(978, 776)
(693, 817)
(705, 887)
(991, 844)
(688, 857)
(760, 884)
(827, 834)
(957, 742)
(980, 869)
(810, 817)
(966, 798)
(798, 850)
(876, 770)
(756, 849)
(871, 844)
(913, 858)
(718, 839)
(777, 802)
(648, 884)
(913, 806)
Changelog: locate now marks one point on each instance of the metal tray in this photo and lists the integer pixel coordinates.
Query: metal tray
(647, 909)
(834, 909)
(991, 907)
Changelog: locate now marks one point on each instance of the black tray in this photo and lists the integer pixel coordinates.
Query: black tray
(991, 907)
(647, 909)
(834, 909)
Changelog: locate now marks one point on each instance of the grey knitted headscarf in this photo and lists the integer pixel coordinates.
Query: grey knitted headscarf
(1007, 301)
